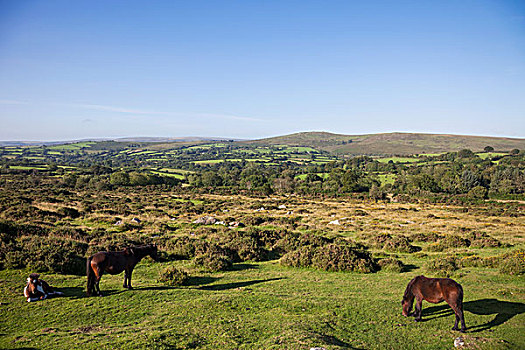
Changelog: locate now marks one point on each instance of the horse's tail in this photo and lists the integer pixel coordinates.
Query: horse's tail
(460, 296)
(90, 277)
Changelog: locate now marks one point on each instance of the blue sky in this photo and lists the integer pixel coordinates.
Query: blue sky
(250, 69)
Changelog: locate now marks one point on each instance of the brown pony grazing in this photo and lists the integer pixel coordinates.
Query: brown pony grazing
(114, 263)
(434, 290)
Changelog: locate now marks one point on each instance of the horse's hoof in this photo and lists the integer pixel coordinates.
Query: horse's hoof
(130, 287)
(455, 328)
(462, 330)
(417, 320)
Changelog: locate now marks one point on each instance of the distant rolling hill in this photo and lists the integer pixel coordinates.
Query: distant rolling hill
(187, 139)
(392, 143)
(337, 144)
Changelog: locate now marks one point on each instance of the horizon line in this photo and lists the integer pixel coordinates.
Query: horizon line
(223, 138)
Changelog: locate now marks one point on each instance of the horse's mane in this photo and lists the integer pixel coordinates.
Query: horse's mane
(408, 291)
(145, 248)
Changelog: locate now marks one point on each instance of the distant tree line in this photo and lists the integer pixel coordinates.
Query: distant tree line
(460, 173)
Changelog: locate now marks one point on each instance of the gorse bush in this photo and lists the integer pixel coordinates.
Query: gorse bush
(172, 276)
(391, 265)
(331, 257)
(301, 257)
(482, 240)
(183, 247)
(213, 262)
(443, 266)
(478, 261)
(391, 243)
(400, 244)
(247, 245)
(425, 237)
(513, 263)
(291, 241)
(448, 242)
(46, 254)
(247, 248)
(335, 257)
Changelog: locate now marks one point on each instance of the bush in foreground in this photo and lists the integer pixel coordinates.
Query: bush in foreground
(46, 254)
(443, 266)
(514, 263)
(211, 262)
(391, 265)
(172, 276)
(331, 257)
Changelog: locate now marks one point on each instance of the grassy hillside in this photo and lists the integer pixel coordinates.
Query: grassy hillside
(392, 143)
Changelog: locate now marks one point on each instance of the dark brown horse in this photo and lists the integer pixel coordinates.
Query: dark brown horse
(114, 263)
(434, 290)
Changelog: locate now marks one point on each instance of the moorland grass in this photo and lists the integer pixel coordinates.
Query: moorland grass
(265, 305)
(257, 306)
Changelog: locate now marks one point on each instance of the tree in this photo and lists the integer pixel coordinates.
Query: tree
(478, 192)
(377, 193)
(119, 178)
(515, 152)
(211, 179)
(424, 182)
(469, 180)
(466, 153)
(138, 179)
(488, 149)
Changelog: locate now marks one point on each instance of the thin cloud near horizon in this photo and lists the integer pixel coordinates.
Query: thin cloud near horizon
(126, 110)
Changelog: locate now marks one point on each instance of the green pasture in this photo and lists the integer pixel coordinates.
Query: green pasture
(399, 160)
(215, 161)
(142, 153)
(172, 170)
(207, 146)
(194, 201)
(256, 306)
(322, 175)
(387, 178)
(298, 149)
(72, 146)
(27, 167)
(430, 154)
(257, 160)
(175, 175)
(209, 161)
(35, 157)
(488, 155)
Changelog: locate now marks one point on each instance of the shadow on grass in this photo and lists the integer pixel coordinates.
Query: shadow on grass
(504, 311)
(79, 292)
(409, 268)
(331, 340)
(155, 288)
(234, 285)
(243, 266)
(200, 280)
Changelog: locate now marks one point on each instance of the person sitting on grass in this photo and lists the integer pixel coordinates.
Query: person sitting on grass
(38, 289)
